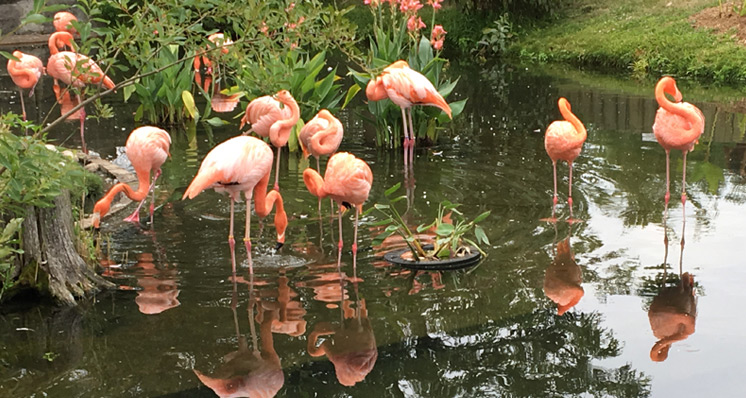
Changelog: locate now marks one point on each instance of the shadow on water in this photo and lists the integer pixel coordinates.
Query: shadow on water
(180, 326)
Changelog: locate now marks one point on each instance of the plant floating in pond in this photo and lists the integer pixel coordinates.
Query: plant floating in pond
(450, 241)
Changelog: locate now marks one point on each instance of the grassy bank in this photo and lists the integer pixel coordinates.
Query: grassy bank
(639, 38)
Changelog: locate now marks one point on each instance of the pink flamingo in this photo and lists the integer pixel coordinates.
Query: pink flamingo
(405, 87)
(563, 141)
(25, 73)
(273, 117)
(321, 136)
(75, 70)
(347, 180)
(241, 164)
(147, 149)
(62, 23)
(678, 126)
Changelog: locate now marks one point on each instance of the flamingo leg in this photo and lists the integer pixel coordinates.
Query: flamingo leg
(569, 194)
(354, 244)
(406, 135)
(82, 124)
(339, 244)
(277, 170)
(247, 238)
(135, 217)
(683, 182)
(232, 241)
(668, 183)
(23, 106)
(554, 199)
(411, 139)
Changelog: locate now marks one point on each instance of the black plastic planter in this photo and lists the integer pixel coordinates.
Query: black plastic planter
(472, 258)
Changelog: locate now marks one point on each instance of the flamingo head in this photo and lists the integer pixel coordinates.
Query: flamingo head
(219, 39)
(668, 84)
(100, 210)
(17, 54)
(375, 91)
(62, 39)
(284, 96)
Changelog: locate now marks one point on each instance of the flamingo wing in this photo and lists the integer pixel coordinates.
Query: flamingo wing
(261, 113)
(407, 87)
(348, 179)
(148, 148)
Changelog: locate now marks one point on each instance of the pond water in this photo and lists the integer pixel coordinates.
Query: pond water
(179, 324)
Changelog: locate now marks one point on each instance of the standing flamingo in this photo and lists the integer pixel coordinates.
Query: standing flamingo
(405, 87)
(347, 180)
(241, 164)
(147, 149)
(563, 141)
(25, 74)
(75, 70)
(62, 21)
(678, 126)
(273, 117)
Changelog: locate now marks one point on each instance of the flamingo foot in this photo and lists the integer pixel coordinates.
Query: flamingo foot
(134, 217)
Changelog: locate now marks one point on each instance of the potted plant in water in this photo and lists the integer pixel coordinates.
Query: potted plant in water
(449, 247)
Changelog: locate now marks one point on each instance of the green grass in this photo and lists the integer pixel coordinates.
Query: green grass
(636, 37)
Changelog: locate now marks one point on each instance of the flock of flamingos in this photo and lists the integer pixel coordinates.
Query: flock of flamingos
(244, 163)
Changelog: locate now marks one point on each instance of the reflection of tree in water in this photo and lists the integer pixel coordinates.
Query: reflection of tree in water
(536, 354)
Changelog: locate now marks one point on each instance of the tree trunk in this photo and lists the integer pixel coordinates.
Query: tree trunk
(49, 243)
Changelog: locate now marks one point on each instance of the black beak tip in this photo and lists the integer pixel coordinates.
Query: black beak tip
(279, 245)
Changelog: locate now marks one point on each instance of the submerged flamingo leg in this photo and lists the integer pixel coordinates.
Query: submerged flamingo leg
(406, 135)
(135, 216)
(683, 182)
(411, 139)
(339, 244)
(247, 237)
(277, 171)
(668, 181)
(232, 242)
(569, 194)
(354, 244)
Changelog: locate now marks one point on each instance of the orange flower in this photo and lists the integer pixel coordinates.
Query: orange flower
(414, 23)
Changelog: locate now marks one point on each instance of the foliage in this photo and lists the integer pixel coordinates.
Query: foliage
(271, 40)
(525, 8)
(450, 236)
(396, 35)
(495, 39)
(10, 245)
(647, 39)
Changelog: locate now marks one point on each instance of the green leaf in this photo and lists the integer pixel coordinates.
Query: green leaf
(482, 216)
(216, 122)
(128, 90)
(35, 18)
(444, 229)
(188, 99)
(481, 236)
(392, 189)
(351, 92)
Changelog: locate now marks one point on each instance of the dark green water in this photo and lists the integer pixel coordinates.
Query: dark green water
(490, 331)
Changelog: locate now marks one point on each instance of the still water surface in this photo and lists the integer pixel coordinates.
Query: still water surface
(308, 326)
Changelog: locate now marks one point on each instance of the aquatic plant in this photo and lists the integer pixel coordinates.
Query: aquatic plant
(397, 34)
(449, 226)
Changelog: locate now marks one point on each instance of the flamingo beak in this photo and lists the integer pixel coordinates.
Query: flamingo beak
(96, 220)
(279, 245)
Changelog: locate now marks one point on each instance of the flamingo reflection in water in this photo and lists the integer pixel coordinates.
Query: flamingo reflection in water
(673, 312)
(350, 345)
(248, 371)
(205, 69)
(288, 312)
(563, 277)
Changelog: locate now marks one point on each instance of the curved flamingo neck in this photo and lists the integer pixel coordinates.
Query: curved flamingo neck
(264, 202)
(102, 206)
(59, 40)
(282, 127)
(314, 182)
(319, 138)
(688, 111)
(565, 110)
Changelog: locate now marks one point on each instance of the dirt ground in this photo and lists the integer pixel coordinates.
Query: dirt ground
(723, 19)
